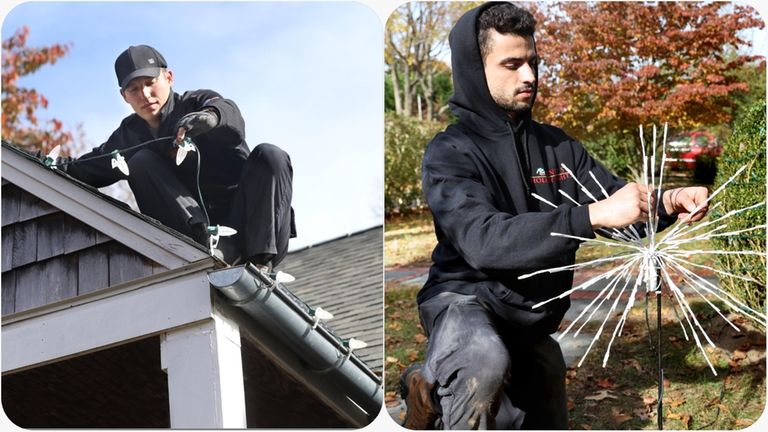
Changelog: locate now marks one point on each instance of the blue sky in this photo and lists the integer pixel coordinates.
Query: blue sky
(306, 76)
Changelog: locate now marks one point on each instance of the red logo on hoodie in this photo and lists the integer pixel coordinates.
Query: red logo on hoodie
(550, 176)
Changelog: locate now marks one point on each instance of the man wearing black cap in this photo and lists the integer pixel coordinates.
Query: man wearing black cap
(249, 191)
(491, 362)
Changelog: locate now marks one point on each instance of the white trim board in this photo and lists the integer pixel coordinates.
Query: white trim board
(96, 325)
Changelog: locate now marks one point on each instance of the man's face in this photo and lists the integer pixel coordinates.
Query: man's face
(147, 95)
(510, 71)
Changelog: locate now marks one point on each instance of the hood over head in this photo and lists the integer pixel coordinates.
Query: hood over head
(471, 100)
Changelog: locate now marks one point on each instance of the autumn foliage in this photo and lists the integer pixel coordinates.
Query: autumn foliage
(611, 66)
(20, 123)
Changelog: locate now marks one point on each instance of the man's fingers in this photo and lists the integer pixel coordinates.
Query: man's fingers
(180, 135)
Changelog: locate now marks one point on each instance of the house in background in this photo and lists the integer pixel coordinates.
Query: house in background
(110, 319)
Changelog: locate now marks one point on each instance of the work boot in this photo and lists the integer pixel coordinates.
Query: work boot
(416, 392)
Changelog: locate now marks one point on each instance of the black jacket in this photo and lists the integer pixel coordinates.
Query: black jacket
(223, 150)
(489, 228)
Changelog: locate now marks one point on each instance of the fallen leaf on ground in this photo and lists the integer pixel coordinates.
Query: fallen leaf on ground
(391, 359)
(419, 338)
(605, 383)
(648, 400)
(585, 426)
(674, 402)
(744, 423)
(413, 355)
(641, 414)
(390, 399)
(619, 417)
(685, 419)
(570, 404)
(738, 355)
(601, 395)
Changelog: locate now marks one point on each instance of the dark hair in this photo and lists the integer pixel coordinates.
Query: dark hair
(505, 18)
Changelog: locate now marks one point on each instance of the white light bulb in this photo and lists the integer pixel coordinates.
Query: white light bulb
(50, 159)
(355, 344)
(185, 147)
(323, 314)
(118, 161)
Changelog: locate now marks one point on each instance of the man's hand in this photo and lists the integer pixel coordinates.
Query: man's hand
(196, 123)
(682, 201)
(625, 207)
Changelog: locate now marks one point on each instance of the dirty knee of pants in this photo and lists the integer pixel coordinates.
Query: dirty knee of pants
(470, 363)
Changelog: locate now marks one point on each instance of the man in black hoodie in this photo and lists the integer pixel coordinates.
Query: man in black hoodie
(249, 191)
(490, 361)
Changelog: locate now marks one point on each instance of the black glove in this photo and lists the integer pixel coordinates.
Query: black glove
(196, 123)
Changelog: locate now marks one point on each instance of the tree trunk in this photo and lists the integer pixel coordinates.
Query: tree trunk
(396, 88)
(407, 91)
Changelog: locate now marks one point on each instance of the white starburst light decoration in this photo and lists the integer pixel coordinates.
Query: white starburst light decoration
(648, 263)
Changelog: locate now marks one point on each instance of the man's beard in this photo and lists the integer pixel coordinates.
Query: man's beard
(509, 104)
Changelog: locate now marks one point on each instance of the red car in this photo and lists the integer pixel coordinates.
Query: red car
(685, 151)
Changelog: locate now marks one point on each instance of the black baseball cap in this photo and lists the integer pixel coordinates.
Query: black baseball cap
(138, 61)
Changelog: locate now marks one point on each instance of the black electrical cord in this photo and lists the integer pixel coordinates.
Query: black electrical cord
(199, 190)
(143, 144)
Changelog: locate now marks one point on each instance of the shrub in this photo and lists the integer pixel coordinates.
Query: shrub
(617, 152)
(405, 141)
(746, 146)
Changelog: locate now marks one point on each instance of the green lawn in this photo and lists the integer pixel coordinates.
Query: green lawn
(623, 394)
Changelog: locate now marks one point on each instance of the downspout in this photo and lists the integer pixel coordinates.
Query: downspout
(325, 362)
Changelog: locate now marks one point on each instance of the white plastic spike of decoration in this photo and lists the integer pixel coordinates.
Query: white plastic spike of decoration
(283, 277)
(639, 260)
(355, 344)
(181, 153)
(118, 161)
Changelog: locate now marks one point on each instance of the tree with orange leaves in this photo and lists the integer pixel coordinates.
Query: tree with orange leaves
(20, 124)
(608, 67)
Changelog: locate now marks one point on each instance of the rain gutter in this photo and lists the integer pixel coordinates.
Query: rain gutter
(285, 324)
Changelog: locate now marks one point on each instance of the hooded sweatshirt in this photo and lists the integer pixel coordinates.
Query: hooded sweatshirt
(478, 176)
(223, 149)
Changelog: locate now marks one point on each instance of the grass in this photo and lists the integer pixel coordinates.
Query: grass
(405, 339)
(409, 240)
(623, 394)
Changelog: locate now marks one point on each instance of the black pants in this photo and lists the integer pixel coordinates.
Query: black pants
(485, 376)
(259, 208)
